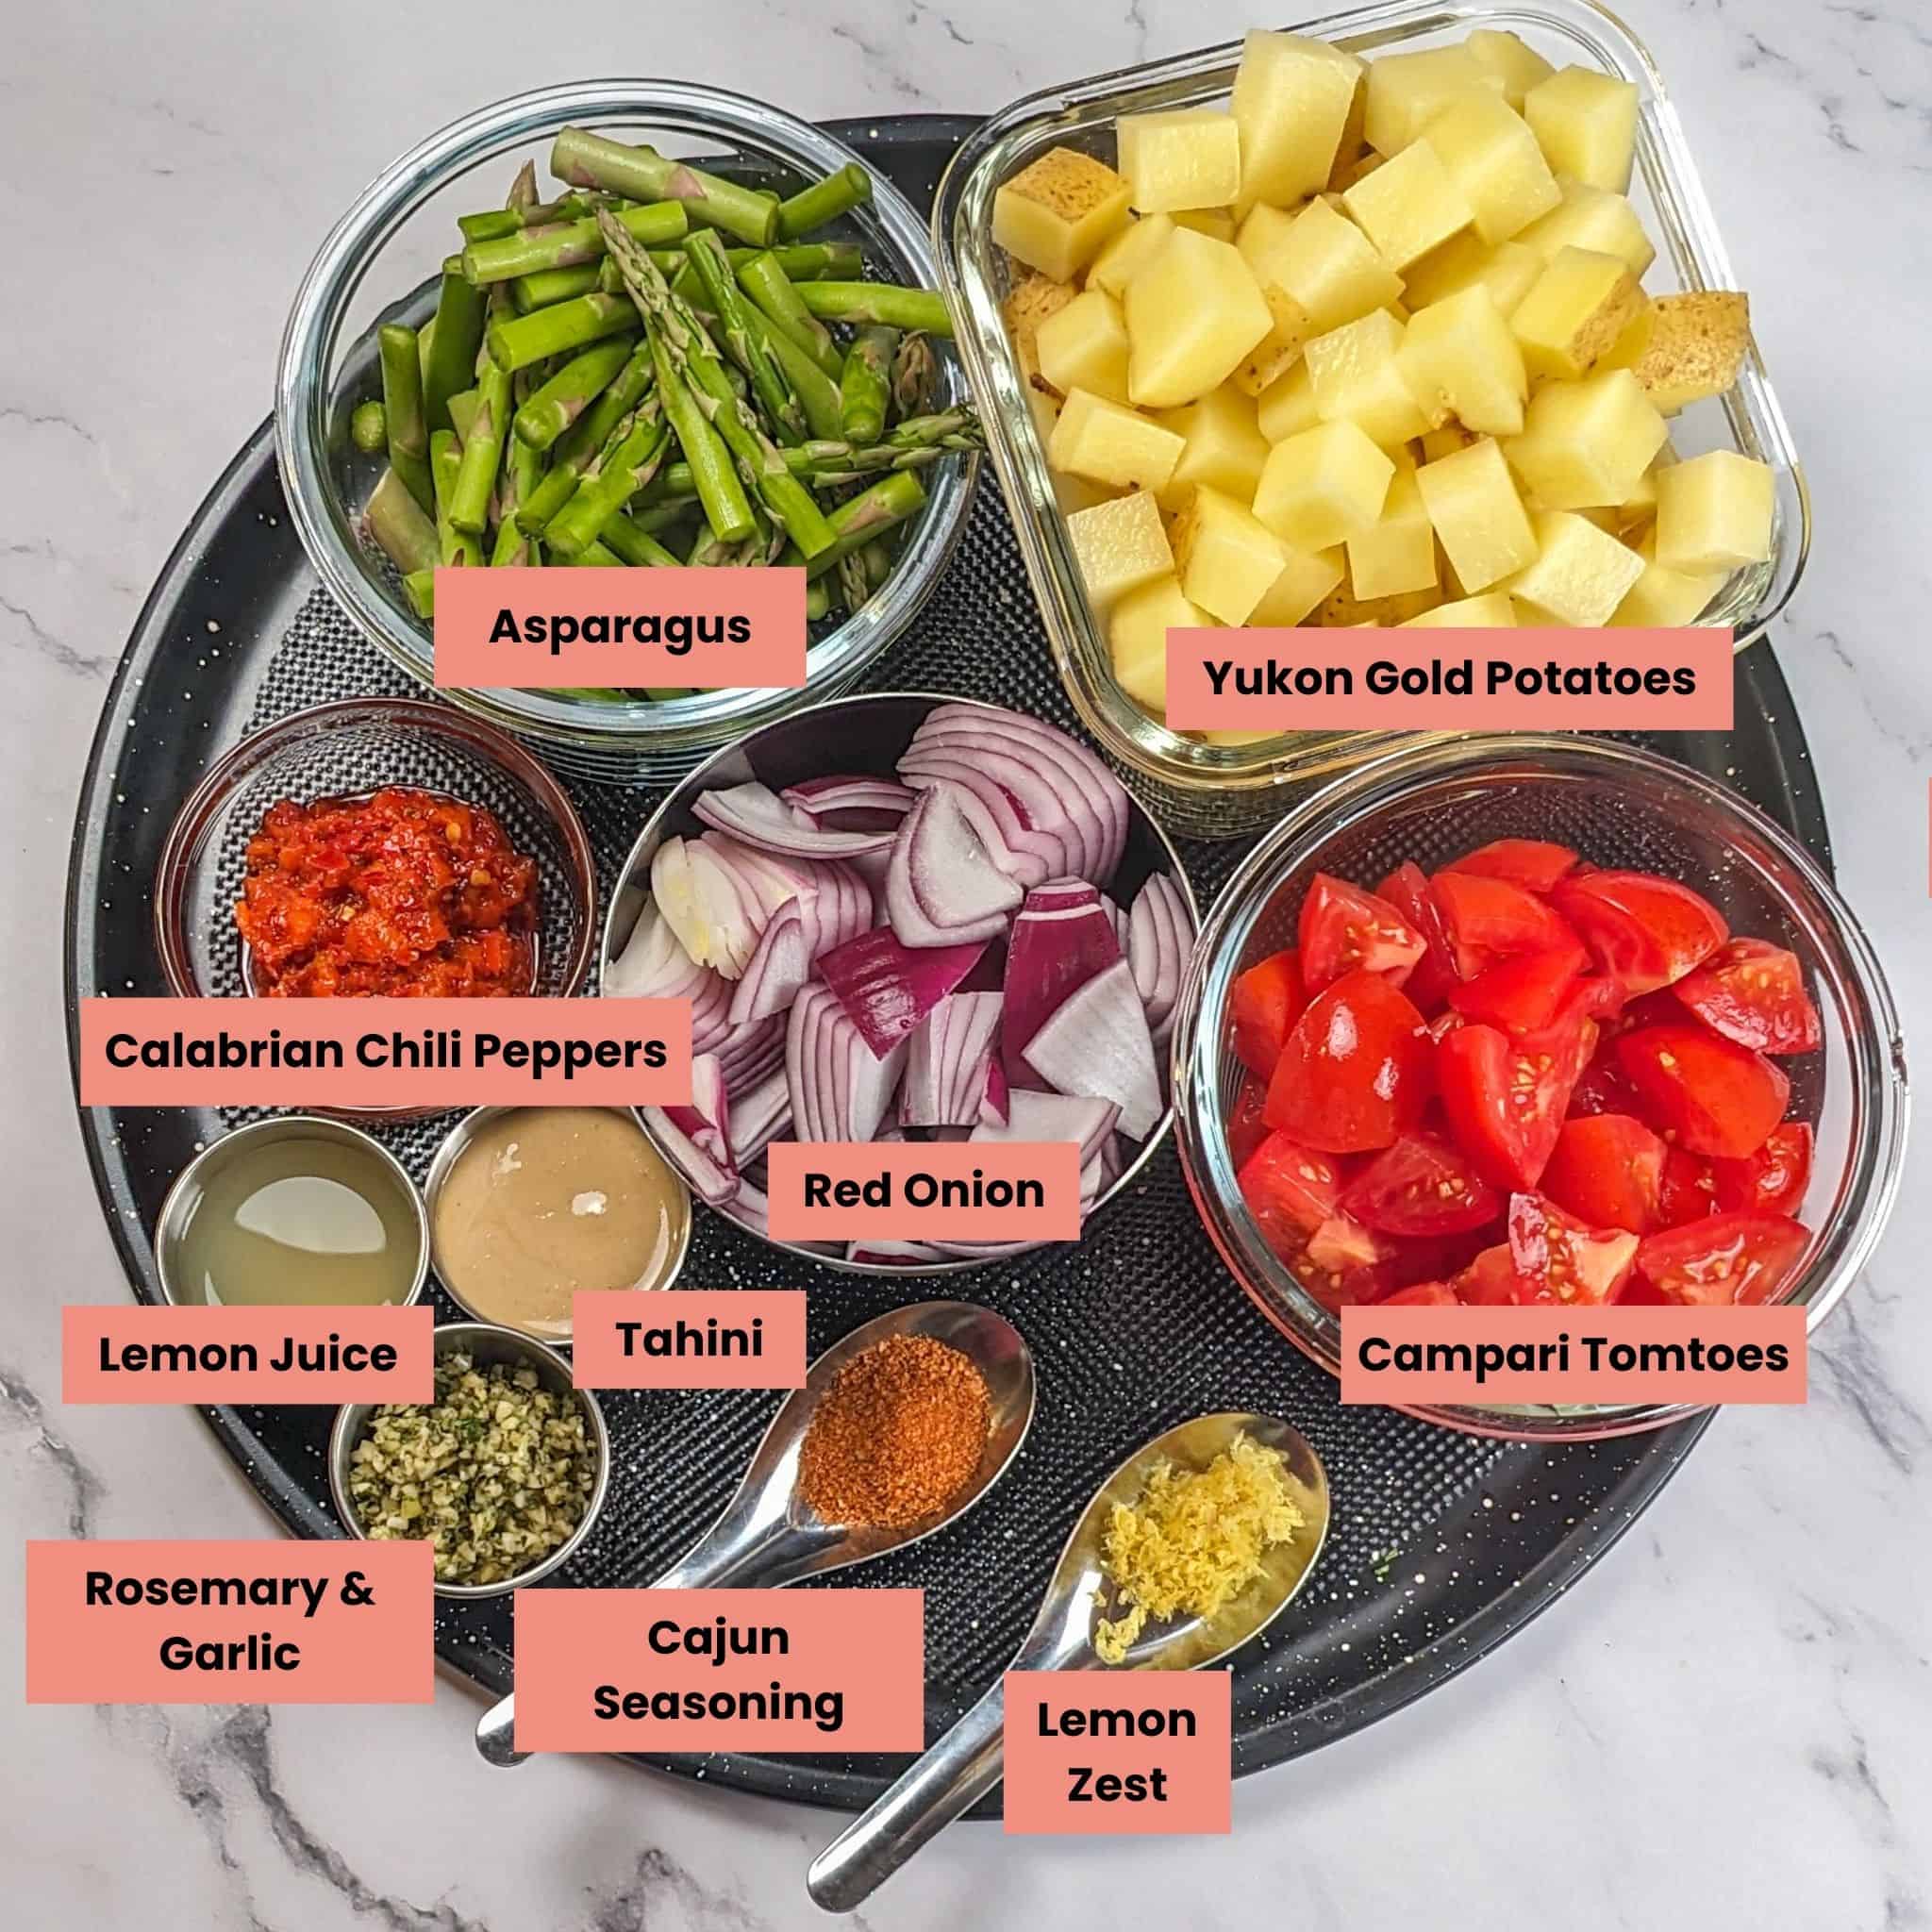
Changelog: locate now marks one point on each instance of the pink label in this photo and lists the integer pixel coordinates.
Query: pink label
(947, 1191)
(720, 1670)
(708, 629)
(689, 1338)
(129, 1353)
(1338, 679)
(229, 1623)
(1490, 1354)
(384, 1052)
(1119, 1750)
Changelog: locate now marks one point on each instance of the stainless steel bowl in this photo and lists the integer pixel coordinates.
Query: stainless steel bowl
(862, 735)
(191, 1183)
(485, 1342)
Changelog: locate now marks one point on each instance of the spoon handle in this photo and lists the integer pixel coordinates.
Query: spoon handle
(963, 1767)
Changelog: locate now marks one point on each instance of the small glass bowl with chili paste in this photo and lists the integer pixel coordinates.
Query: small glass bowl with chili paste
(1441, 1115)
(375, 847)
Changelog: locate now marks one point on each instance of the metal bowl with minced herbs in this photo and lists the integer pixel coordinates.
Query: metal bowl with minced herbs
(505, 1472)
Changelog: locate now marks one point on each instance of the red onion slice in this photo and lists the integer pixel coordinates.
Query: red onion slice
(1096, 1043)
(851, 803)
(756, 816)
(942, 887)
(1161, 935)
(946, 1062)
(1061, 938)
(1054, 1117)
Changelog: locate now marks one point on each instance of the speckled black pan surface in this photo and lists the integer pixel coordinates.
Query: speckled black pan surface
(1443, 1545)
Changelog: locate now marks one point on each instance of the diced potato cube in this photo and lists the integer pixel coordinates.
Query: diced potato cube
(1493, 158)
(1192, 313)
(1457, 355)
(1128, 253)
(1409, 205)
(1493, 610)
(1596, 218)
(1665, 599)
(1180, 158)
(1397, 552)
(1137, 638)
(1057, 213)
(1084, 345)
(1518, 67)
(1579, 575)
(1406, 91)
(1714, 512)
(1223, 447)
(1586, 124)
(1109, 444)
(1472, 501)
(1358, 378)
(1321, 260)
(1341, 609)
(1279, 350)
(1575, 312)
(1639, 507)
(1683, 348)
(1291, 100)
(1225, 557)
(1029, 303)
(1121, 545)
(1586, 445)
(1305, 579)
(1320, 487)
(1287, 406)
(1507, 271)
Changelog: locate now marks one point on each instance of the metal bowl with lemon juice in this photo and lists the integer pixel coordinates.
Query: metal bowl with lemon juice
(768, 1536)
(969, 1760)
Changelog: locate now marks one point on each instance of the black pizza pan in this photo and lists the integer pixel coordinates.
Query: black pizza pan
(1443, 1545)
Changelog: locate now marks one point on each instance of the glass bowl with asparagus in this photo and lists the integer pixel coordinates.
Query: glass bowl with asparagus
(549, 336)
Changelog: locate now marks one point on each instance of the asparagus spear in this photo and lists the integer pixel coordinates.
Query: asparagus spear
(825, 201)
(863, 517)
(579, 444)
(462, 413)
(747, 348)
(494, 222)
(445, 460)
(622, 469)
(907, 445)
(397, 523)
(805, 261)
(818, 601)
(770, 288)
(682, 340)
(551, 409)
(589, 161)
(369, 427)
(864, 387)
(635, 544)
(450, 361)
(727, 511)
(402, 403)
(418, 586)
(915, 374)
(817, 393)
(517, 340)
(513, 551)
(469, 505)
(886, 302)
(567, 244)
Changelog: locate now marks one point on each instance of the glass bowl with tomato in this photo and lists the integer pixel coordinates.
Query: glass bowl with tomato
(1536, 1020)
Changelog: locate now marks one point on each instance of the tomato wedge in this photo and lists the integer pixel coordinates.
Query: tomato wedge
(1247, 1129)
(1422, 1294)
(1523, 994)
(1602, 1089)
(1489, 918)
(1535, 864)
(1290, 1190)
(1344, 929)
(1421, 1187)
(1345, 1262)
(1705, 1093)
(1566, 1261)
(1644, 931)
(1690, 1188)
(1263, 1004)
(1609, 1171)
(1771, 1181)
(1505, 1099)
(1754, 992)
(1491, 1281)
(1730, 1257)
(1406, 889)
(1354, 1073)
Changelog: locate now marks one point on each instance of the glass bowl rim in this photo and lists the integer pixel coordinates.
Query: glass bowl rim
(1873, 1166)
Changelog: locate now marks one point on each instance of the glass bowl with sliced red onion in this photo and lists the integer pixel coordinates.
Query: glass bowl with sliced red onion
(907, 917)
(1510, 1020)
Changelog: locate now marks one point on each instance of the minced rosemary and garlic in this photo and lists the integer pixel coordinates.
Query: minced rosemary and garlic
(1194, 1540)
(497, 1472)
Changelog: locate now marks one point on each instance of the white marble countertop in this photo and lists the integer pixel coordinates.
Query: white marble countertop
(1715, 1728)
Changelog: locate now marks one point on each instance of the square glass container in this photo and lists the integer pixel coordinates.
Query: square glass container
(1229, 791)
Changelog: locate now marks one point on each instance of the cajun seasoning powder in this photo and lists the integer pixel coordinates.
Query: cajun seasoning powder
(897, 1436)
